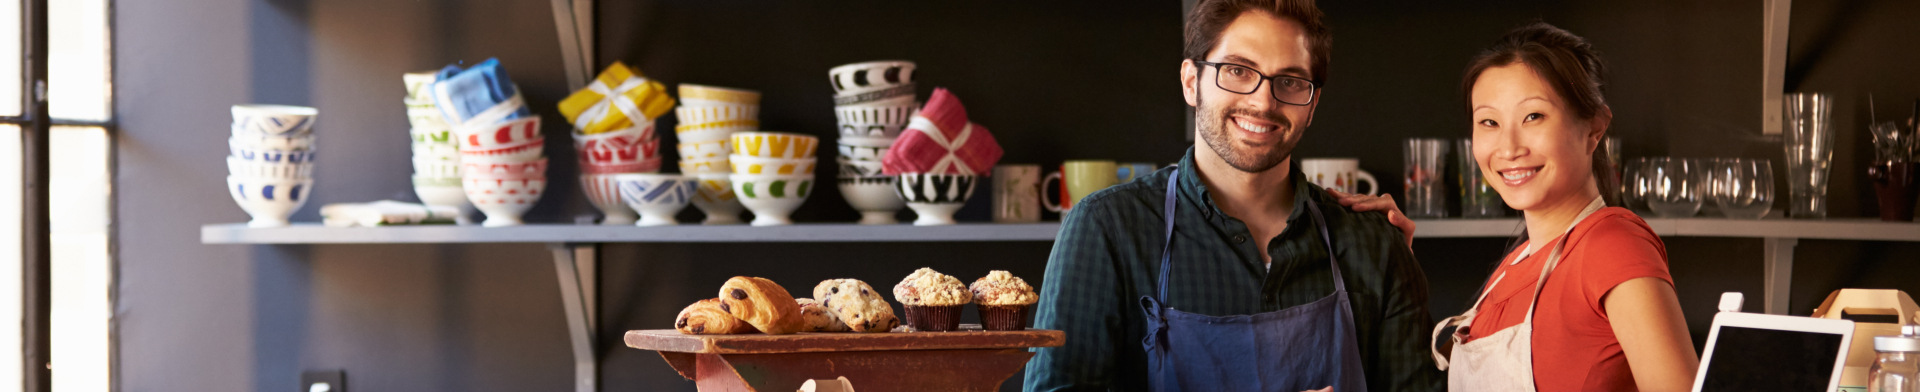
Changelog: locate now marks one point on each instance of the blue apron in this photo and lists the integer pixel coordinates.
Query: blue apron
(1301, 348)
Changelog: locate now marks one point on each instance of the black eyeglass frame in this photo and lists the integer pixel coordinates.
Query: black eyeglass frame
(1311, 85)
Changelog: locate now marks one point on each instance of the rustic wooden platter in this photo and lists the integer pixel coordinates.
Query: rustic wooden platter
(667, 340)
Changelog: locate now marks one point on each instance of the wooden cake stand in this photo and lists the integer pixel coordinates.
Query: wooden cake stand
(965, 360)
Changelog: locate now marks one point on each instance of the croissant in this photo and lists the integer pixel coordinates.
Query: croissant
(764, 304)
(710, 317)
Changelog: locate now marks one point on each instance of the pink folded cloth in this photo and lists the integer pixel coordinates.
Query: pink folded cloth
(941, 140)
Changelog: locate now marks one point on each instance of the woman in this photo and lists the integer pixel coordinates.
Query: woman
(1606, 318)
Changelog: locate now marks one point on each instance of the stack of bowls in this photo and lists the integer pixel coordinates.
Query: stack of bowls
(873, 101)
(436, 156)
(772, 173)
(270, 168)
(613, 130)
(709, 117)
(606, 155)
(503, 168)
(940, 158)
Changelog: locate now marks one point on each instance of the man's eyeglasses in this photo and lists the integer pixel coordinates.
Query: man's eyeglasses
(1241, 79)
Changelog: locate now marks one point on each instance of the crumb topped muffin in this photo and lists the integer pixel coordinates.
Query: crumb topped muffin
(933, 300)
(1005, 301)
(1002, 288)
(926, 287)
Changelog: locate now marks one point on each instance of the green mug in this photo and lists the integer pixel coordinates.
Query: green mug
(1077, 180)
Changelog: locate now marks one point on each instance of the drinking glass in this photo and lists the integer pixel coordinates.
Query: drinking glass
(1632, 177)
(1743, 188)
(1477, 197)
(1426, 166)
(1674, 189)
(1808, 134)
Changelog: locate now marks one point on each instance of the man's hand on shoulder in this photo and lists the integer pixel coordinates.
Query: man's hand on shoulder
(1364, 203)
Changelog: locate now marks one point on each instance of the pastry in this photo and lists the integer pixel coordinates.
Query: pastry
(710, 317)
(933, 300)
(856, 304)
(818, 318)
(764, 304)
(1005, 301)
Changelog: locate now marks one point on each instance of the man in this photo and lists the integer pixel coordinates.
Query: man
(1249, 237)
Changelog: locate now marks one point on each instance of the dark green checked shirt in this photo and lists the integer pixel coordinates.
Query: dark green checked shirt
(1108, 255)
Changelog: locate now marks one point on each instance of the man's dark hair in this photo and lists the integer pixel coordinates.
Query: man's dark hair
(1211, 17)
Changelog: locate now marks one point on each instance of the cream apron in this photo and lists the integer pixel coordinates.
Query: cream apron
(1502, 361)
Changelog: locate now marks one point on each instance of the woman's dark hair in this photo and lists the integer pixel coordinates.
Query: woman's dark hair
(1569, 64)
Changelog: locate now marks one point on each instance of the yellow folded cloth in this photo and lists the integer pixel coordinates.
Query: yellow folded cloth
(617, 99)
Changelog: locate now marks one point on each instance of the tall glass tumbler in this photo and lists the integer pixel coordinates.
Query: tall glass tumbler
(1426, 169)
(1477, 197)
(1808, 132)
(1743, 188)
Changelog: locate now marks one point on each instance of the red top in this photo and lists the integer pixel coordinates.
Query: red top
(1574, 348)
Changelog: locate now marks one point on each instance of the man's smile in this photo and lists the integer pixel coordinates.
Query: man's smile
(1254, 126)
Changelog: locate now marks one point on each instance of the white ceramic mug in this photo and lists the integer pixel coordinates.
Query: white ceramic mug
(1340, 174)
(1016, 193)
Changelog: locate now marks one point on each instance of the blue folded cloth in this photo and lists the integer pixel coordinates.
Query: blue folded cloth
(462, 94)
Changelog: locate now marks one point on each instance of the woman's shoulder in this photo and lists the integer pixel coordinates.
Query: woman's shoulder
(1617, 246)
(1611, 225)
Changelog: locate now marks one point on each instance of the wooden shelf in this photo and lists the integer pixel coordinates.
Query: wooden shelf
(966, 338)
(309, 233)
(1863, 229)
(1830, 229)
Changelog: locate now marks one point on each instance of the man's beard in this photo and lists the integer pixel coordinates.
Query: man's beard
(1213, 122)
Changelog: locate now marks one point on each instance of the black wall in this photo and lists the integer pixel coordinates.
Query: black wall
(1053, 80)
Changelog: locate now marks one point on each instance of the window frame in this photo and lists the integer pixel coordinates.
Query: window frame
(36, 126)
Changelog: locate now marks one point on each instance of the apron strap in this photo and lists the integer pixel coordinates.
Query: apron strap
(1554, 258)
(1166, 251)
(1339, 284)
(1466, 319)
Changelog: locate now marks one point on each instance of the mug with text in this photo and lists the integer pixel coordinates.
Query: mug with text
(1016, 193)
(1340, 174)
(1077, 180)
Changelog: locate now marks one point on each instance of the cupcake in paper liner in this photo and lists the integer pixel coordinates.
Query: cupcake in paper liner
(1005, 301)
(933, 300)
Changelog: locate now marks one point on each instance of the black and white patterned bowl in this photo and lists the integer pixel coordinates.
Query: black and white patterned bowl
(935, 197)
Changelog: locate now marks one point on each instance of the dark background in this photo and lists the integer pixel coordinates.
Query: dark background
(1053, 80)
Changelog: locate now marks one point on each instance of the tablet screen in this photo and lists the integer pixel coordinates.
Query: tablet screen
(1753, 359)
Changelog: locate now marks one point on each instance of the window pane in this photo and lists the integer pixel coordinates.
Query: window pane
(10, 312)
(77, 59)
(10, 63)
(81, 187)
